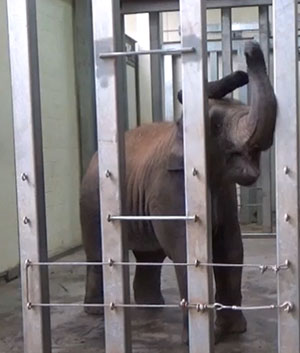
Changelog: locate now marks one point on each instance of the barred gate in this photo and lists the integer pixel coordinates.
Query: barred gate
(109, 56)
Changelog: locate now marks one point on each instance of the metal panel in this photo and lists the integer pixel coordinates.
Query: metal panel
(85, 84)
(108, 38)
(168, 84)
(287, 159)
(156, 66)
(139, 6)
(29, 169)
(194, 79)
(226, 41)
(265, 180)
(214, 65)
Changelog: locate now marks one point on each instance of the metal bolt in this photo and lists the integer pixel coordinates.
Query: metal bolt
(286, 170)
(183, 303)
(109, 218)
(112, 306)
(263, 269)
(287, 217)
(108, 173)
(287, 307)
(29, 306)
(26, 220)
(201, 308)
(110, 262)
(195, 172)
(28, 263)
(197, 263)
(24, 176)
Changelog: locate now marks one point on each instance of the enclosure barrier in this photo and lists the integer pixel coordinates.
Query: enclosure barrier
(107, 22)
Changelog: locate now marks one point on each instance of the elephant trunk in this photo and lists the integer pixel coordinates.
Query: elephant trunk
(256, 128)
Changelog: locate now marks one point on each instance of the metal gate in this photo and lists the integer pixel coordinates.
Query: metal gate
(109, 55)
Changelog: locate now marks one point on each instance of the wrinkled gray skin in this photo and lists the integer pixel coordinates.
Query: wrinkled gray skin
(155, 186)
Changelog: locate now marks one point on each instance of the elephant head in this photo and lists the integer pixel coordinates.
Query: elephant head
(238, 132)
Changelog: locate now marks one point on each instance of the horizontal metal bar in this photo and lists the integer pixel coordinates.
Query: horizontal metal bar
(138, 6)
(99, 305)
(152, 218)
(286, 306)
(259, 235)
(263, 268)
(171, 51)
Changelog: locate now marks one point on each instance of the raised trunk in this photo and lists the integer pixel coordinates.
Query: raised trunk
(255, 129)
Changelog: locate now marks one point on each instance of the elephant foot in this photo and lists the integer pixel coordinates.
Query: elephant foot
(226, 328)
(93, 310)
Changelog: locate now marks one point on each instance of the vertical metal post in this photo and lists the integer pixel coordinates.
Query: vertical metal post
(214, 65)
(265, 179)
(194, 79)
(287, 167)
(85, 84)
(226, 41)
(109, 102)
(29, 170)
(156, 66)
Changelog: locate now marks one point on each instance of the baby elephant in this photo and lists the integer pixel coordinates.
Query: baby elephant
(155, 186)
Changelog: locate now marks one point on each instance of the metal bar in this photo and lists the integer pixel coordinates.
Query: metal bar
(156, 66)
(265, 179)
(107, 36)
(226, 41)
(170, 51)
(196, 263)
(152, 218)
(287, 163)
(194, 80)
(24, 66)
(286, 306)
(138, 6)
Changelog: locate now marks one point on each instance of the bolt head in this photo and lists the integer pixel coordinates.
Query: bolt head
(195, 172)
(286, 170)
(24, 176)
(26, 220)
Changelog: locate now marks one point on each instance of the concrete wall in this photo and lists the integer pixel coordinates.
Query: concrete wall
(60, 132)
(8, 226)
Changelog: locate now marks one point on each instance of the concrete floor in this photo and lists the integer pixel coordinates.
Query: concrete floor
(152, 331)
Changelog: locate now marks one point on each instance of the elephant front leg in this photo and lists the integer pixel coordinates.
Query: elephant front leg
(147, 284)
(228, 249)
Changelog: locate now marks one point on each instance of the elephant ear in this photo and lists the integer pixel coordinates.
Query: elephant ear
(175, 158)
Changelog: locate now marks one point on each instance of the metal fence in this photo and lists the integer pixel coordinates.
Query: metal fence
(108, 44)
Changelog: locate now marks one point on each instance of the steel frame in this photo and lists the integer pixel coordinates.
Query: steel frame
(195, 125)
(108, 35)
(30, 178)
(287, 167)
(24, 66)
(138, 6)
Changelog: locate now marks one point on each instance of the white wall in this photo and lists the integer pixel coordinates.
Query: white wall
(60, 132)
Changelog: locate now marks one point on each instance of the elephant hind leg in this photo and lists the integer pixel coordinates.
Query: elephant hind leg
(147, 284)
(91, 237)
